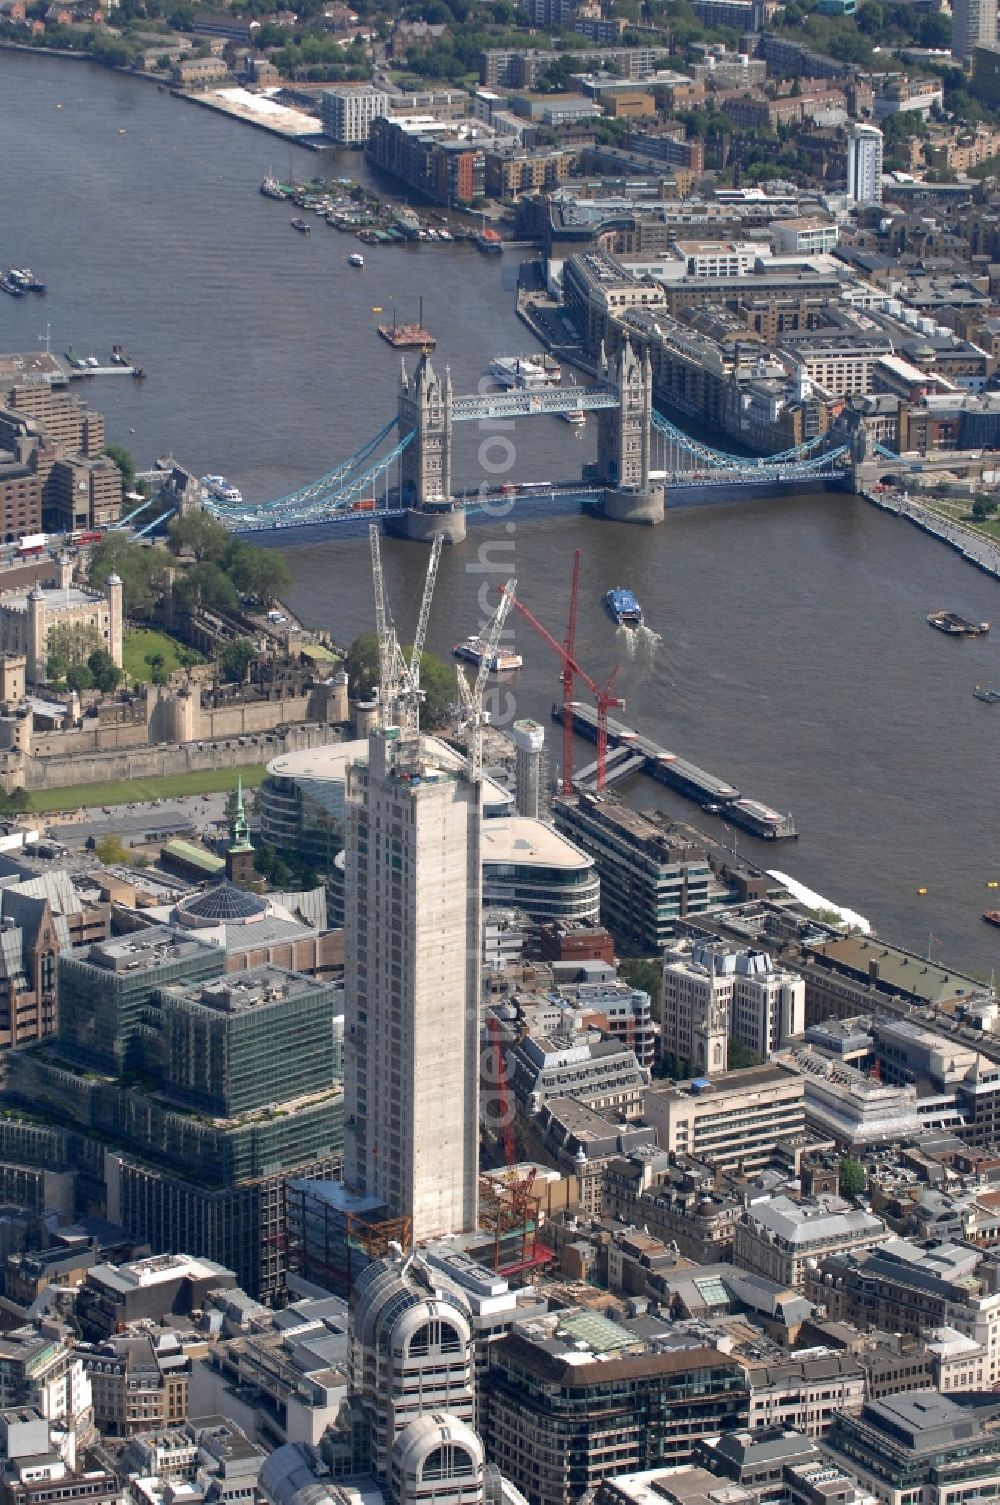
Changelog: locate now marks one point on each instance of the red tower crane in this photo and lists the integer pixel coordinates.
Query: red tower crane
(602, 693)
(567, 680)
(503, 1097)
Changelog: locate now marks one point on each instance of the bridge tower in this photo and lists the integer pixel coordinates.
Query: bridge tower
(623, 441)
(425, 407)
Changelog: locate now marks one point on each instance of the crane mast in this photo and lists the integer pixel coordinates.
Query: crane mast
(399, 689)
(471, 698)
(411, 695)
(567, 680)
(603, 694)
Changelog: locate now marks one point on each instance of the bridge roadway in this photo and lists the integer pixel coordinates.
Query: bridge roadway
(480, 504)
(519, 402)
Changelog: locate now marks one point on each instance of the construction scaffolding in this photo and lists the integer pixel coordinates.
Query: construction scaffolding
(329, 1242)
(510, 1212)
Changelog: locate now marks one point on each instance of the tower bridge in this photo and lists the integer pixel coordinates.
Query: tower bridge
(622, 483)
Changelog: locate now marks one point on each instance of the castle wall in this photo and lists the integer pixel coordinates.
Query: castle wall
(123, 764)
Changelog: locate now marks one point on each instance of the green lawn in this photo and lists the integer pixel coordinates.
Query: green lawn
(144, 640)
(208, 781)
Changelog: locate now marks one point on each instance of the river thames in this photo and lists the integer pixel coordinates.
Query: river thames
(793, 656)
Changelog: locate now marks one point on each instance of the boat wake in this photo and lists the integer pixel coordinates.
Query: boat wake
(639, 644)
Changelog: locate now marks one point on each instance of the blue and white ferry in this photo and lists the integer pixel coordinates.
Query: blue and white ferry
(623, 607)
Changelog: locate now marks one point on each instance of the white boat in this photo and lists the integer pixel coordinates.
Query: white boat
(222, 490)
(575, 417)
(471, 650)
(356, 259)
(530, 372)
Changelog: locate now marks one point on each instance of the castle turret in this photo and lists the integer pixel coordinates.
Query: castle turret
(113, 596)
(37, 647)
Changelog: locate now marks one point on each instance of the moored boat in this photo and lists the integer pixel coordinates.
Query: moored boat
(222, 490)
(992, 917)
(502, 662)
(955, 626)
(25, 279)
(525, 371)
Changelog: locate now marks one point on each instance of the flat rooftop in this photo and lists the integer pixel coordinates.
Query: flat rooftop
(732, 1083)
(329, 764)
(521, 841)
(28, 365)
(143, 949)
(54, 598)
(242, 992)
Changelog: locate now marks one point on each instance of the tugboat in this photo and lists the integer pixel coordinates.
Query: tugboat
(622, 606)
(956, 626)
(302, 225)
(9, 286)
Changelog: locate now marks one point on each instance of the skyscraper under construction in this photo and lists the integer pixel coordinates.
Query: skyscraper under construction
(413, 916)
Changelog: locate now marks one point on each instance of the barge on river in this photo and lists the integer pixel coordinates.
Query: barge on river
(631, 752)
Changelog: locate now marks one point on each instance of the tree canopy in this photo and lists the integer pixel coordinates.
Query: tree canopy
(105, 672)
(437, 679)
(125, 464)
(235, 659)
(110, 850)
(740, 1055)
(852, 1177)
(257, 574)
(140, 568)
(68, 647)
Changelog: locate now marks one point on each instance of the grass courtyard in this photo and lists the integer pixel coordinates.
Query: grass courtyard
(83, 796)
(142, 642)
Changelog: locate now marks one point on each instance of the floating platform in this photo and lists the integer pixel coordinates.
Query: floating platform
(407, 336)
(77, 373)
(688, 779)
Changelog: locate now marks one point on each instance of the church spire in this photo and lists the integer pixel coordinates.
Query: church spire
(240, 855)
(240, 829)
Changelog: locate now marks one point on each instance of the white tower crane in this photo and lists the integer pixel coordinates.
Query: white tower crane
(472, 699)
(413, 695)
(399, 689)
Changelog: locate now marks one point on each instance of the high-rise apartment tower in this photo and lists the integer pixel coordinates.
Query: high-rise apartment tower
(973, 24)
(864, 162)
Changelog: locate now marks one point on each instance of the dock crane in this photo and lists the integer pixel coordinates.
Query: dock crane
(606, 699)
(399, 689)
(471, 700)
